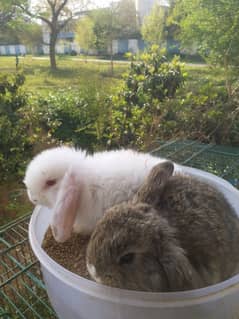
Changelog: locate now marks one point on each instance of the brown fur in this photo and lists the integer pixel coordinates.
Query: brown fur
(182, 232)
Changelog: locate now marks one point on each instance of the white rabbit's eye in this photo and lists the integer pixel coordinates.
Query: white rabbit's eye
(127, 259)
(50, 182)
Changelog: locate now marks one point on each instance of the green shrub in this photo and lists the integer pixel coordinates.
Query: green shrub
(152, 77)
(208, 115)
(15, 147)
(73, 117)
(154, 103)
(136, 110)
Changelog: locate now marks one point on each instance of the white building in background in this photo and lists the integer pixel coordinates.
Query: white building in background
(143, 7)
(14, 49)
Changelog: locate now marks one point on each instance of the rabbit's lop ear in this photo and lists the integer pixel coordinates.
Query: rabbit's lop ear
(152, 188)
(65, 209)
(180, 273)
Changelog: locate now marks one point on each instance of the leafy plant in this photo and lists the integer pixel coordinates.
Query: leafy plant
(154, 25)
(136, 109)
(200, 24)
(205, 114)
(15, 146)
(210, 115)
(72, 117)
(84, 34)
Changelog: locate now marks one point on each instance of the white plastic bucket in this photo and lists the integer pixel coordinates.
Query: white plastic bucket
(74, 297)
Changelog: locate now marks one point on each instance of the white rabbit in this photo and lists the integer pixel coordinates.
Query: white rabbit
(79, 187)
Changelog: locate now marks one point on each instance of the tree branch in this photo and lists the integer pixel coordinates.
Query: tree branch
(61, 7)
(45, 20)
(24, 9)
(52, 5)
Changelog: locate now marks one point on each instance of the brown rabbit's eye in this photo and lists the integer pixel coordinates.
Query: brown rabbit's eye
(126, 259)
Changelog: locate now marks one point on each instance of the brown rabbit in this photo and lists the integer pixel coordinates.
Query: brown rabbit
(178, 233)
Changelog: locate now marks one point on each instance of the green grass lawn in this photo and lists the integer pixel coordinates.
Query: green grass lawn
(72, 72)
(76, 73)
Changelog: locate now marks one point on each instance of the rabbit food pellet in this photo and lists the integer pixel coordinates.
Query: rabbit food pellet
(70, 254)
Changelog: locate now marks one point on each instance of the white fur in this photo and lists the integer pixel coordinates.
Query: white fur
(107, 178)
(48, 165)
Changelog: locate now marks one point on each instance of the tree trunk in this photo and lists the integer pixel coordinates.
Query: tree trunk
(53, 51)
(111, 57)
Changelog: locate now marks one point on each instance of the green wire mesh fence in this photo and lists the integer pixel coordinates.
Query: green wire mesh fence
(22, 291)
(222, 161)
